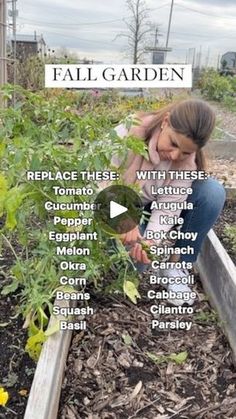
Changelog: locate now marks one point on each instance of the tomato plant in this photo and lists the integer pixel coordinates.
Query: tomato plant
(55, 131)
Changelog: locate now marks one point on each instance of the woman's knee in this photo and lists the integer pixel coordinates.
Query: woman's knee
(209, 193)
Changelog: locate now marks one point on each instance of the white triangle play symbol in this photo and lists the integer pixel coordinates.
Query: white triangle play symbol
(116, 209)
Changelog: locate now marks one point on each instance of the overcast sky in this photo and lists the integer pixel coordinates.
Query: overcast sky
(89, 27)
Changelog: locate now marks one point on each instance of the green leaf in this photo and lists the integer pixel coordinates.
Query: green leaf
(127, 339)
(42, 317)
(12, 203)
(34, 345)
(137, 145)
(3, 192)
(179, 358)
(131, 291)
(8, 289)
(33, 329)
(35, 163)
(157, 359)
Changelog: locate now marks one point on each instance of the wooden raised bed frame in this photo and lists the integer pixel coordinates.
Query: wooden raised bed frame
(218, 275)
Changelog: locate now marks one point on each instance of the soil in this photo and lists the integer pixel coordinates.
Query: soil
(109, 377)
(104, 373)
(225, 118)
(114, 368)
(227, 218)
(16, 368)
(224, 170)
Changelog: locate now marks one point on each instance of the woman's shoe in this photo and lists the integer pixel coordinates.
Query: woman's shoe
(176, 286)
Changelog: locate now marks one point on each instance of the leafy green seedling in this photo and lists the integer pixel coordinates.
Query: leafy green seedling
(179, 358)
(206, 316)
(146, 248)
(127, 339)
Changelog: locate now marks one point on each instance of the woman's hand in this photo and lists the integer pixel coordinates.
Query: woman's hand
(131, 237)
(137, 252)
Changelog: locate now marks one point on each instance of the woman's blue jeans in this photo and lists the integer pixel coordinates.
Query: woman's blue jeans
(208, 199)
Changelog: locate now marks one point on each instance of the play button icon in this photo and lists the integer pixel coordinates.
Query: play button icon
(116, 209)
(120, 209)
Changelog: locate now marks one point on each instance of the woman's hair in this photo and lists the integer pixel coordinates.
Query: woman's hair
(193, 118)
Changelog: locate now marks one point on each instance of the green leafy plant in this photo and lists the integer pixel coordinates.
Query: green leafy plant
(214, 86)
(230, 103)
(230, 233)
(56, 131)
(206, 316)
(179, 358)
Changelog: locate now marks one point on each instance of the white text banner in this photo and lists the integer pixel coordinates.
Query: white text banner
(118, 76)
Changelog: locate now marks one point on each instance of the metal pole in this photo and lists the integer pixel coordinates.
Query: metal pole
(3, 60)
(156, 41)
(14, 46)
(208, 57)
(218, 62)
(194, 57)
(169, 24)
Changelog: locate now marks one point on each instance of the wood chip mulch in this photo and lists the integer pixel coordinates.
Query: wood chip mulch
(227, 218)
(111, 374)
(224, 170)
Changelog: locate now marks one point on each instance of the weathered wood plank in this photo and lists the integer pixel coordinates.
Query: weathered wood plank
(226, 135)
(222, 149)
(46, 388)
(218, 275)
(230, 193)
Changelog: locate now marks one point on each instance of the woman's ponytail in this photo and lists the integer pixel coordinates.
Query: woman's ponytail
(200, 160)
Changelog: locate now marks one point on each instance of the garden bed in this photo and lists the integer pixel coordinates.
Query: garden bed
(227, 218)
(119, 367)
(113, 369)
(17, 369)
(224, 170)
